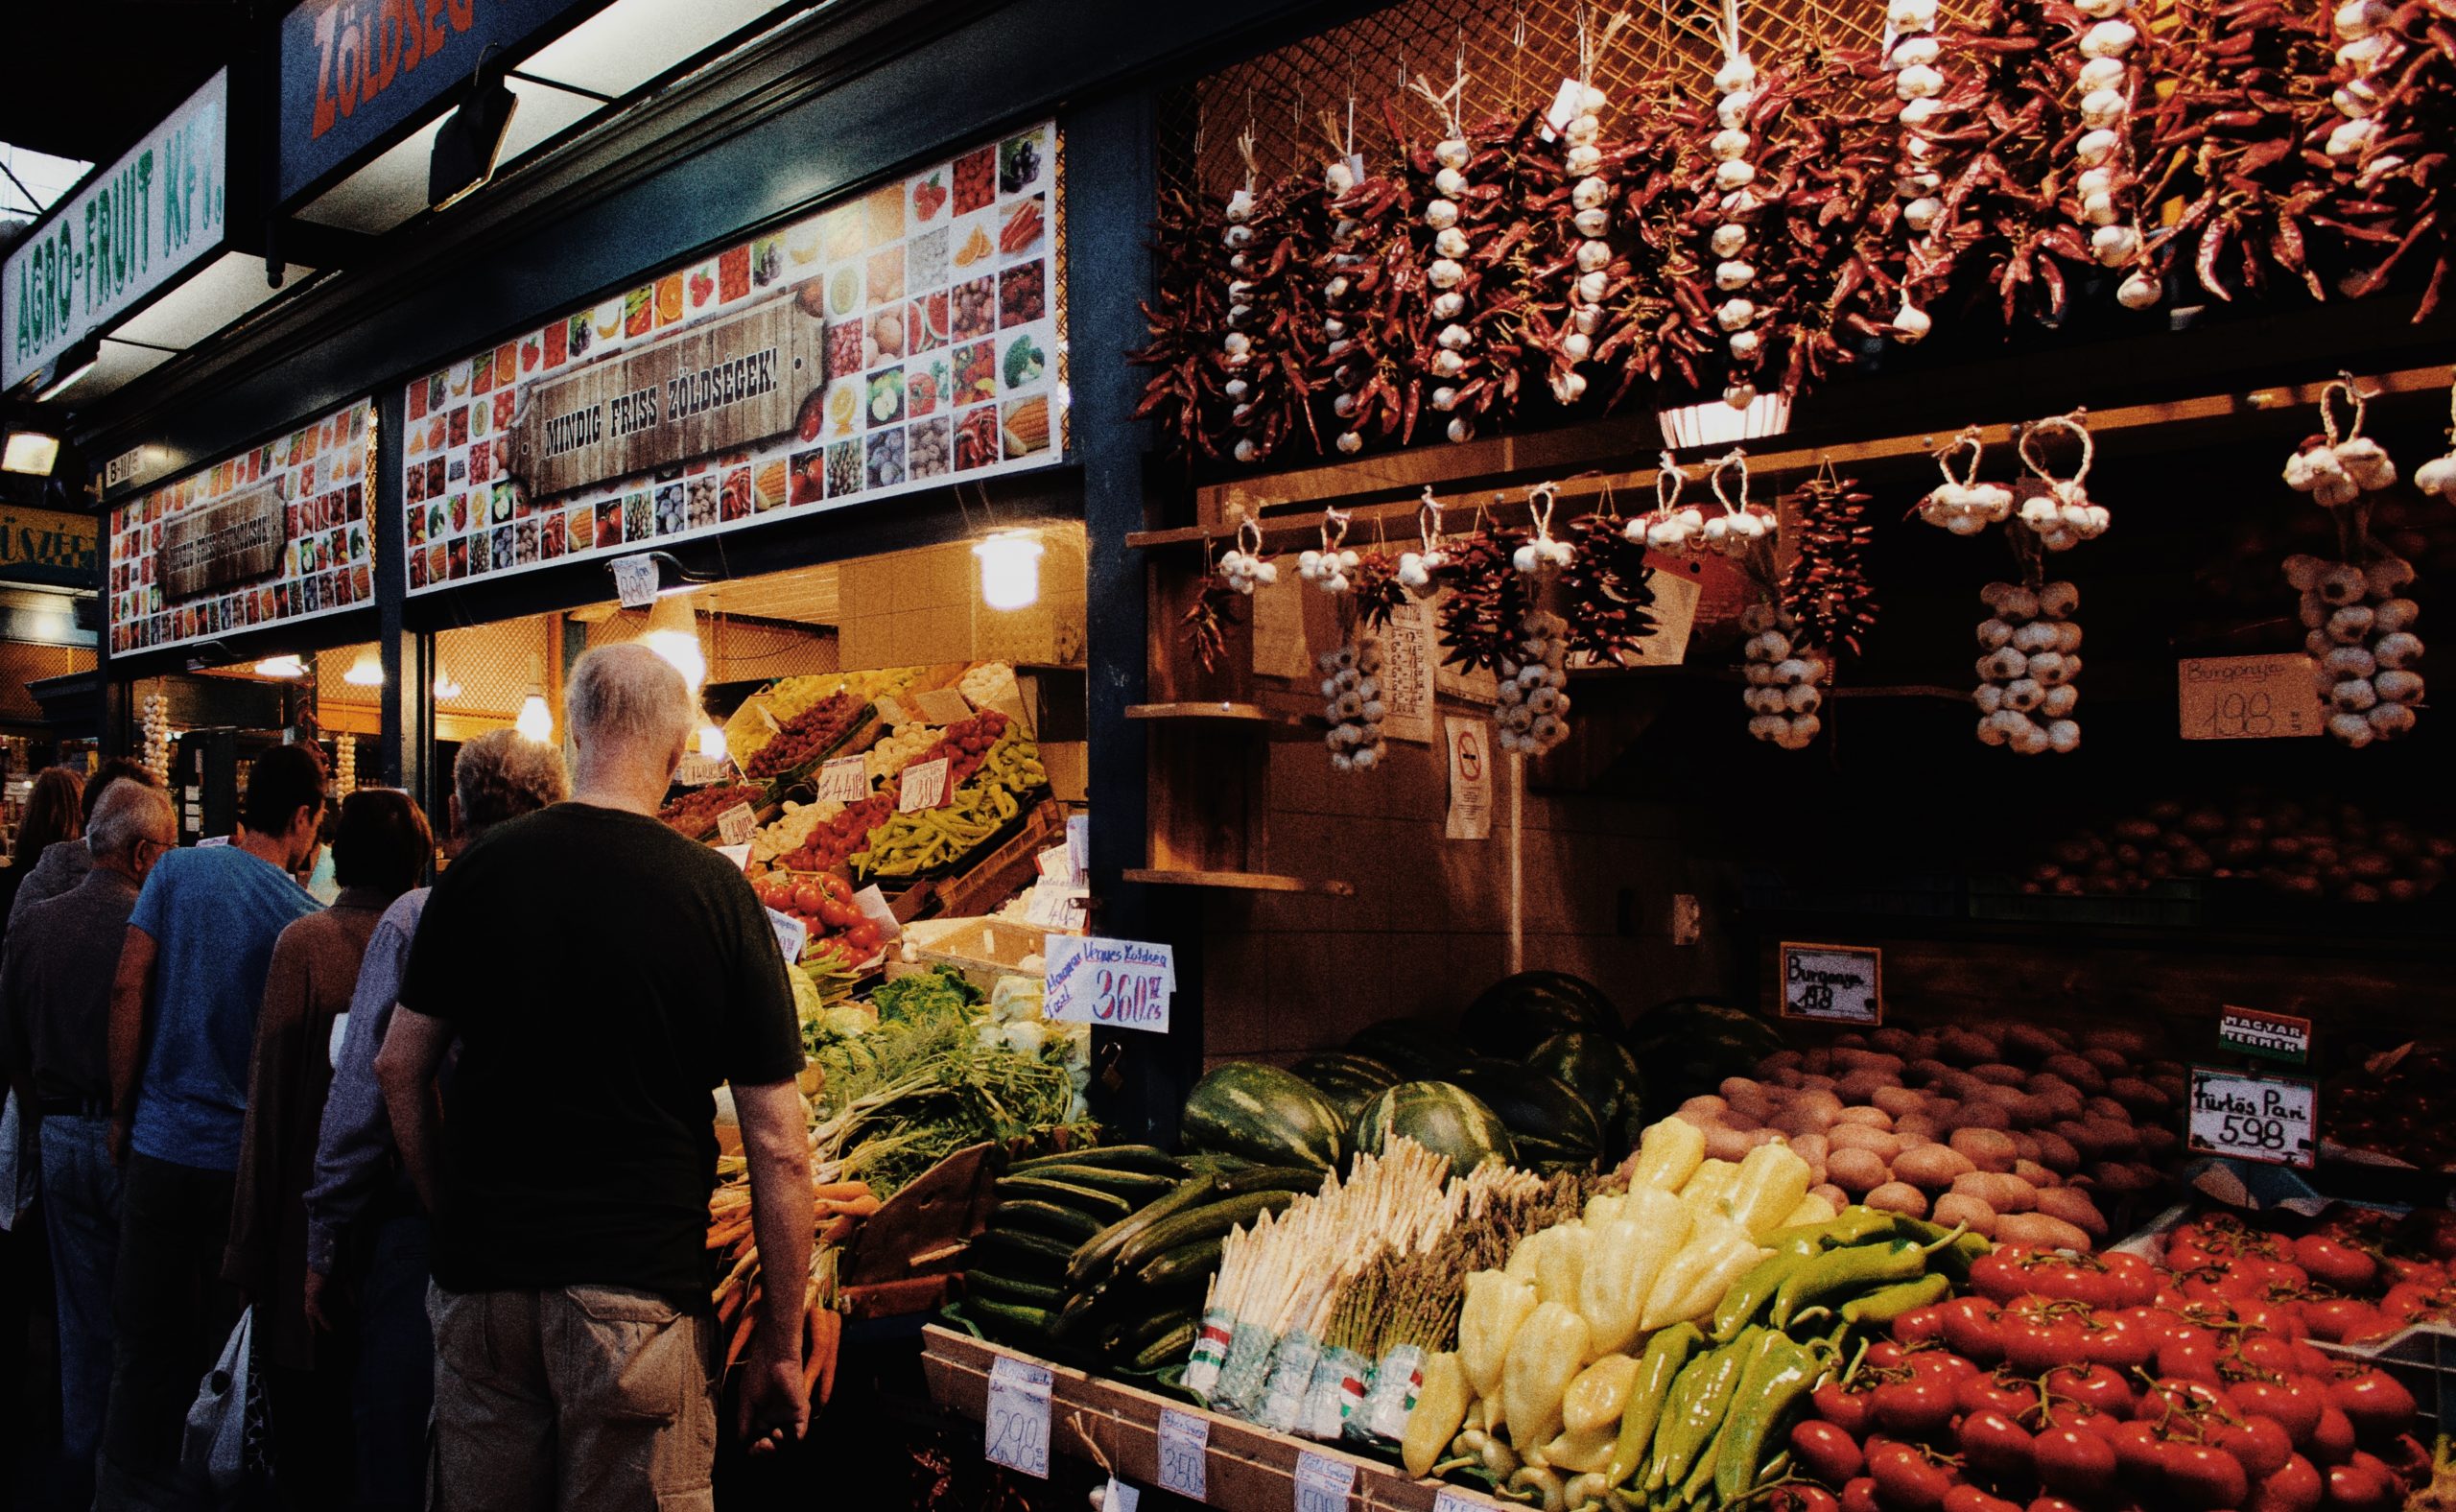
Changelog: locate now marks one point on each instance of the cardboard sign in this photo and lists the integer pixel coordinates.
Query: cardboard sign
(1112, 983)
(699, 772)
(1834, 984)
(2248, 697)
(1407, 659)
(1678, 586)
(1185, 1454)
(1015, 1429)
(1470, 744)
(942, 706)
(844, 779)
(2278, 1036)
(635, 580)
(2271, 1120)
(737, 824)
(1323, 1484)
(792, 935)
(925, 786)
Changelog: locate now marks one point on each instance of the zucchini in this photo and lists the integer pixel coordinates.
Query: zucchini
(1174, 1345)
(1136, 1187)
(1035, 1217)
(1145, 1158)
(1187, 1262)
(1034, 1256)
(1133, 1336)
(1209, 1221)
(1302, 1179)
(1072, 1315)
(1013, 1318)
(1010, 1290)
(1105, 1206)
(1092, 1257)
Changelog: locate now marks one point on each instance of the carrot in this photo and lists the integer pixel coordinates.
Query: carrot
(859, 1207)
(818, 1364)
(839, 1191)
(742, 1329)
(726, 1233)
(837, 1230)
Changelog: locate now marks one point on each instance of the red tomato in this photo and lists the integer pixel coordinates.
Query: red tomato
(1998, 1275)
(2334, 1265)
(2093, 1386)
(2260, 1444)
(1971, 1499)
(2074, 1462)
(2135, 1279)
(1800, 1497)
(1906, 1480)
(2119, 1341)
(1940, 1364)
(2358, 1487)
(2280, 1317)
(1986, 1393)
(1920, 1326)
(1971, 1328)
(1994, 1445)
(1884, 1354)
(2140, 1452)
(863, 939)
(809, 898)
(1826, 1452)
(1845, 1409)
(2203, 1476)
(2375, 1401)
(1913, 1408)
(2265, 1352)
(2036, 1343)
(2295, 1488)
(2294, 1403)
(2333, 1441)
(2073, 1278)
(2050, 1504)
(2190, 1357)
(1859, 1495)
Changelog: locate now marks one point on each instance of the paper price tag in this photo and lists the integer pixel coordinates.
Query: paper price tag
(1838, 983)
(1322, 1484)
(1015, 1432)
(925, 786)
(739, 855)
(792, 934)
(942, 706)
(846, 779)
(698, 771)
(1185, 1454)
(737, 824)
(1453, 1500)
(1055, 907)
(1116, 983)
(1079, 846)
(1119, 1497)
(635, 580)
(2266, 1119)
(2248, 697)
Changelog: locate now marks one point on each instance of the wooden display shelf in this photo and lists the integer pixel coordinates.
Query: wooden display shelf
(1236, 881)
(1109, 1423)
(1232, 713)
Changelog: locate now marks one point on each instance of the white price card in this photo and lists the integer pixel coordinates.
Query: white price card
(1185, 1454)
(1838, 983)
(635, 580)
(739, 855)
(1016, 1431)
(698, 771)
(738, 824)
(1113, 984)
(791, 933)
(925, 786)
(1452, 1500)
(2271, 1120)
(1323, 1484)
(1119, 1497)
(846, 779)
(942, 706)
(1079, 846)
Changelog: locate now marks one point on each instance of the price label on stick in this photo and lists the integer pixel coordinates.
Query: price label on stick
(1185, 1454)
(1015, 1433)
(791, 933)
(925, 786)
(635, 580)
(1119, 1497)
(846, 780)
(1323, 1484)
(2271, 1120)
(738, 824)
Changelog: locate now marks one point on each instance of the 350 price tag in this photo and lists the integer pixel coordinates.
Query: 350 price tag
(1323, 1484)
(1015, 1432)
(1185, 1454)
(2273, 1120)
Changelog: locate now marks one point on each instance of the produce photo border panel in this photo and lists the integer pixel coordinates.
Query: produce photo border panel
(903, 338)
(314, 479)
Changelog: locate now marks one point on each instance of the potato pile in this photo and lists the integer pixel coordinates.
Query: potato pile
(2014, 1130)
(2322, 847)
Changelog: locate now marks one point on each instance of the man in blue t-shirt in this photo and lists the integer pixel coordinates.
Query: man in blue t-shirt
(183, 1013)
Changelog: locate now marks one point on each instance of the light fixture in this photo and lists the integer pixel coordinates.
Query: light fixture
(712, 741)
(365, 673)
(1009, 569)
(75, 361)
(673, 634)
(31, 453)
(444, 686)
(536, 720)
(283, 666)
(470, 140)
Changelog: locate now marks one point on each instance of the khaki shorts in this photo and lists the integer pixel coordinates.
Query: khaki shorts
(584, 1396)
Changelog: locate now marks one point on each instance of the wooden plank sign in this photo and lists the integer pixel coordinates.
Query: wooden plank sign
(700, 389)
(2248, 697)
(239, 541)
(1834, 984)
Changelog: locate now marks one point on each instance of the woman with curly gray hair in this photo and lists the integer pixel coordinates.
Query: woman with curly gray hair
(366, 1235)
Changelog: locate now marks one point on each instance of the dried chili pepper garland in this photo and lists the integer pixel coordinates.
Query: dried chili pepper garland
(2395, 77)
(1826, 591)
(1607, 590)
(1213, 609)
(1188, 308)
(1736, 200)
(1269, 310)
(1473, 263)
(1593, 266)
(2356, 615)
(1928, 101)
(1363, 274)
(1485, 601)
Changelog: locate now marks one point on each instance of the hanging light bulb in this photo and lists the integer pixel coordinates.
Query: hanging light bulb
(1009, 569)
(284, 665)
(712, 741)
(444, 686)
(365, 671)
(535, 722)
(673, 634)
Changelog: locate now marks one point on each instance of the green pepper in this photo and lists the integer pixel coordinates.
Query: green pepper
(1887, 1303)
(1686, 1436)
(1757, 1287)
(1667, 1355)
(1840, 1271)
(1953, 1260)
(1852, 1225)
(1783, 1374)
(1676, 1407)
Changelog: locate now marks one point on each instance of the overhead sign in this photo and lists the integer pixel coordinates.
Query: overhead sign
(2278, 1036)
(236, 541)
(48, 547)
(122, 236)
(358, 74)
(2248, 697)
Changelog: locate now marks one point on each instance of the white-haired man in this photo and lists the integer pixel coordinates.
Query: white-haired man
(602, 975)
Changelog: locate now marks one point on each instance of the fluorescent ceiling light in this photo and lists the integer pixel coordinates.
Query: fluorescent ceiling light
(365, 673)
(74, 362)
(31, 453)
(284, 665)
(1009, 569)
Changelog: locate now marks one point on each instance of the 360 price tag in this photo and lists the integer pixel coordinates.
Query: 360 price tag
(2268, 1118)
(1185, 1454)
(1323, 1484)
(1015, 1429)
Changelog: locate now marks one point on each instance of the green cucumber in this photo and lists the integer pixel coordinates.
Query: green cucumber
(1035, 1256)
(1302, 1179)
(1209, 1221)
(1104, 1247)
(1136, 1187)
(1187, 1262)
(1174, 1344)
(1034, 1216)
(1106, 1206)
(1009, 1290)
(1144, 1158)
(1013, 1318)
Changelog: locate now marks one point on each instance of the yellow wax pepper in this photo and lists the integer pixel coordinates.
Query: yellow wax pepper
(1718, 1252)
(1488, 1319)
(1562, 1262)
(1623, 1263)
(1668, 1153)
(1441, 1407)
(1705, 1191)
(1545, 1356)
(1595, 1399)
(1602, 1208)
(1812, 1208)
(1766, 1188)
(1573, 1453)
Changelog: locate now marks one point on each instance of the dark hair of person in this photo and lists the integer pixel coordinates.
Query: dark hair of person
(284, 780)
(381, 841)
(51, 812)
(114, 768)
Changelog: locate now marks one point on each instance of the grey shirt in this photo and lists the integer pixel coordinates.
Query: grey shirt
(56, 986)
(62, 866)
(355, 1157)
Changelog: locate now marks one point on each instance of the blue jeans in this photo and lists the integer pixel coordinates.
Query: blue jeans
(395, 1376)
(81, 1201)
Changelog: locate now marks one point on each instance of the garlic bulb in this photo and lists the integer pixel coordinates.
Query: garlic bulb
(1352, 704)
(2025, 695)
(1782, 696)
(1532, 714)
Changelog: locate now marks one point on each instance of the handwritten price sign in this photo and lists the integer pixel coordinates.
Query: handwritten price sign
(2267, 1119)
(1116, 983)
(2248, 697)
(846, 780)
(1323, 1484)
(1016, 1433)
(1185, 1454)
(1840, 983)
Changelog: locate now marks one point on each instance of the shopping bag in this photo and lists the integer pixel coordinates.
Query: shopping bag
(216, 1444)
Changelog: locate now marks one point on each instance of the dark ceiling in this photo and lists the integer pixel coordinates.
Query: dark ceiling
(83, 79)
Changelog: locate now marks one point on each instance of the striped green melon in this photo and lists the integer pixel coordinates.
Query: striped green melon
(1346, 1079)
(1512, 1015)
(1441, 1115)
(1416, 1050)
(1606, 1078)
(1262, 1113)
(1550, 1124)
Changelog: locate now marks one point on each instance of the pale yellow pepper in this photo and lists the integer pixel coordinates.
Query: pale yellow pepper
(1705, 1189)
(1812, 1208)
(1718, 1252)
(1668, 1153)
(1766, 1188)
(1441, 1407)
(1545, 1355)
(1562, 1262)
(1595, 1399)
(1490, 1317)
(1622, 1264)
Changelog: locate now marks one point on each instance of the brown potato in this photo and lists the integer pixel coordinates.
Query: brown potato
(2004, 1193)
(1916, 1125)
(2024, 1144)
(1988, 1149)
(1898, 1101)
(1924, 1073)
(2055, 1152)
(2000, 1072)
(2029, 1110)
(1724, 1143)
(1818, 1062)
(2027, 1042)
(2036, 1175)
(1895, 1040)
(1735, 1088)
(1704, 1107)
(2041, 1232)
(1882, 1144)
(1781, 1060)
(1981, 1114)
(2137, 1096)
(2073, 1206)
(1931, 1167)
(1862, 1085)
(1816, 1081)
(1899, 1196)
(2076, 1069)
(1811, 1148)
(2102, 1106)
(1856, 1170)
(1865, 1116)
(1834, 1196)
(1961, 1208)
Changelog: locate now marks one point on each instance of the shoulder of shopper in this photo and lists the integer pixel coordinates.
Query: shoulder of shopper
(62, 864)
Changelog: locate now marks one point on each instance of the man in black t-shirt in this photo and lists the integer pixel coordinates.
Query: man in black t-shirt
(601, 976)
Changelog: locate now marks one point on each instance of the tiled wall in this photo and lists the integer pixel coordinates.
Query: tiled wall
(922, 607)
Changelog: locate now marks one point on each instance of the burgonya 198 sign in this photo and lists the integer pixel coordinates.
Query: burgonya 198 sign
(901, 341)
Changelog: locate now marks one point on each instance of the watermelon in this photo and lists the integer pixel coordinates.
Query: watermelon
(1605, 1076)
(1688, 1046)
(1548, 1120)
(1262, 1113)
(1515, 1014)
(1417, 1050)
(1441, 1115)
(1346, 1079)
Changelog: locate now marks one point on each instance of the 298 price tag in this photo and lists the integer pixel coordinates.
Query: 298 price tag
(1323, 1484)
(1015, 1429)
(2273, 1120)
(1185, 1454)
